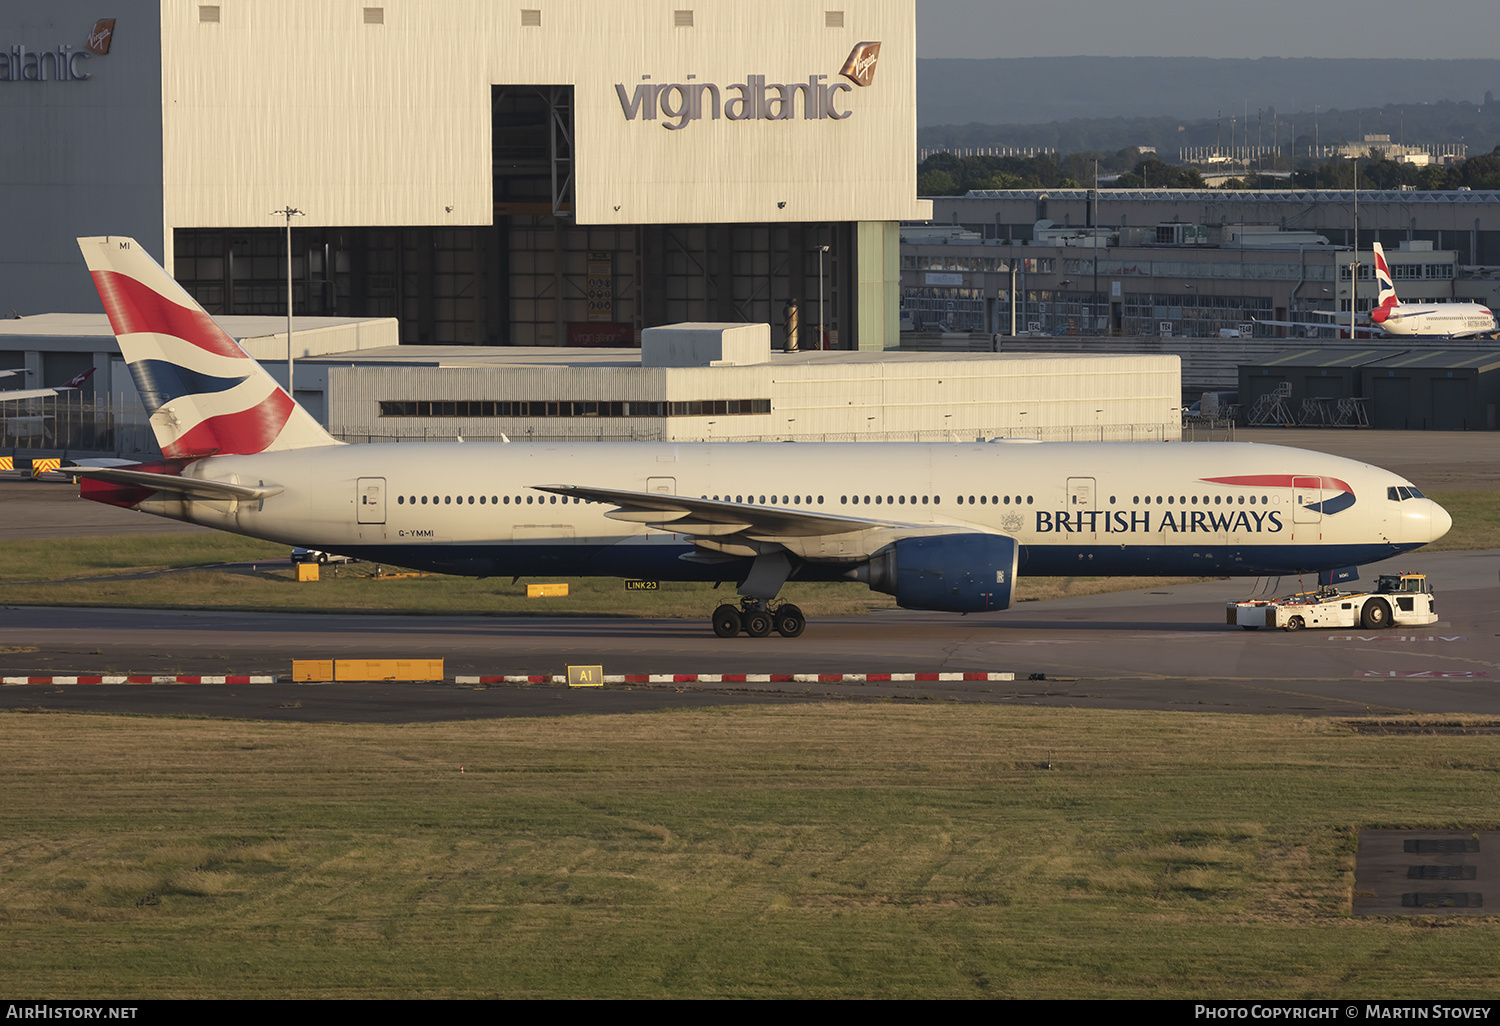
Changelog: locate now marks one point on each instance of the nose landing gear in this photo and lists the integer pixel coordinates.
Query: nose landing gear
(756, 619)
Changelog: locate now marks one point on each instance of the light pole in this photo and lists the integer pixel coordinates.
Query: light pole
(1012, 293)
(1354, 267)
(822, 329)
(288, 212)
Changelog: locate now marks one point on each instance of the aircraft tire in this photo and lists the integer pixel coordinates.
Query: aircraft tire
(757, 623)
(1376, 615)
(790, 623)
(727, 621)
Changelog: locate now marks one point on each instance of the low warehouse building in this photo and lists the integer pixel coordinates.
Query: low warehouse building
(722, 382)
(1446, 390)
(692, 382)
(1311, 388)
(1420, 389)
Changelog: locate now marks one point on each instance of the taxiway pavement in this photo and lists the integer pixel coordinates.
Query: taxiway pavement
(1165, 648)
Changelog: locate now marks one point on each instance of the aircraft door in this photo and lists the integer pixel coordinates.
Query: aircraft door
(370, 498)
(1082, 508)
(1307, 498)
(662, 485)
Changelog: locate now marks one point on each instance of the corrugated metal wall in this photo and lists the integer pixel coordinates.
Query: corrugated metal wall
(813, 397)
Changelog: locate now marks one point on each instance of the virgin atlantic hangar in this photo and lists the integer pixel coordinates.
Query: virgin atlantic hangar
(540, 172)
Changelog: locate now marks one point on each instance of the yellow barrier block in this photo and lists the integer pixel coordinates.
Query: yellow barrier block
(42, 466)
(7, 463)
(312, 669)
(307, 572)
(546, 590)
(585, 676)
(387, 669)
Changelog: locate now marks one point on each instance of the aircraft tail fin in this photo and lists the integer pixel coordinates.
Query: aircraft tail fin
(1386, 301)
(204, 394)
(77, 380)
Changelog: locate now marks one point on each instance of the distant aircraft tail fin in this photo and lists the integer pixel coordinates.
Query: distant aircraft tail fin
(204, 394)
(1386, 301)
(77, 380)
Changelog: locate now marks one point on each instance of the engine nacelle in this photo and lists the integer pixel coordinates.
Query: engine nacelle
(958, 573)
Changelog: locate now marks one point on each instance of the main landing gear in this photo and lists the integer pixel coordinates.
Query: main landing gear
(756, 619)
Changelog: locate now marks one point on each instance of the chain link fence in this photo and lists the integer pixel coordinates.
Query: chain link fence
(1062, 433)
(72, 422)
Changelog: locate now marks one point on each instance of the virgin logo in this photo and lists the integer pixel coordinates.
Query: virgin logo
(860, 67)
(102, 36)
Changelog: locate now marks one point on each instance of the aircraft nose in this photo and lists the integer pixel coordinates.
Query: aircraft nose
(1441, 521)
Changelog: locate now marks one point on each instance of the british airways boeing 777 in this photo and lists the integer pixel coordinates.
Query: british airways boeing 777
(939, 526)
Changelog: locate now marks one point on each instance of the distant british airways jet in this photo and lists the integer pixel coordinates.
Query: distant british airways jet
(939, 526)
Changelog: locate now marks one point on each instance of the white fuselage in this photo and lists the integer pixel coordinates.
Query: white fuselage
(1072, 508)
(1438, 319)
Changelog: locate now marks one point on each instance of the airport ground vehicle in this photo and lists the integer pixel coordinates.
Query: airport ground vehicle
(305, 555)
(1398, 599)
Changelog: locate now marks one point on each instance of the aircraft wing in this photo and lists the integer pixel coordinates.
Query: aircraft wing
(743, 529)
(1363, 324)
(27, 393)
(189, 487)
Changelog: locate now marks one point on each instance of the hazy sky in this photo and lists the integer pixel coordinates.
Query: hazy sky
(1208, 28)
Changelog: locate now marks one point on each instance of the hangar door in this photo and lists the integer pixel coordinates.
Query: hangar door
(1392, 403)
(1450, 404)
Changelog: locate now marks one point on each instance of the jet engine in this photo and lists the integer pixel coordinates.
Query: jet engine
(957, 573)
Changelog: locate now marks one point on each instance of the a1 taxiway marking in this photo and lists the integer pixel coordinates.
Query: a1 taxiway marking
(1408, 638)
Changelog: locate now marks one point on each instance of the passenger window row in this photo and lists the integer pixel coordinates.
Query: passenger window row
(785, 500)
(1192, 500)
(492, 500)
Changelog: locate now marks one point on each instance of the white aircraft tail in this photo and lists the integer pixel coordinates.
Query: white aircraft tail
(204, 394)
(1386, 301)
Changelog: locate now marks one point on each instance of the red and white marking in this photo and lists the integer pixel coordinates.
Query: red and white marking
(562, 678)
(119, 679)
(743, 678)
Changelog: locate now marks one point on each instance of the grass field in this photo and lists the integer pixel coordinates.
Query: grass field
(1476, 520)
(46, 573)
(818, 850)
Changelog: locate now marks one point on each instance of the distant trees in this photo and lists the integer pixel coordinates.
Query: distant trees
(1153, 173)
(944, 174)
(1377, 172)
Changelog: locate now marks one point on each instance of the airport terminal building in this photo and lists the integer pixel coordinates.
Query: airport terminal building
(536, 173)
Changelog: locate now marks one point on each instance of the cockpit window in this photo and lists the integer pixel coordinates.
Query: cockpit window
(1399, 493)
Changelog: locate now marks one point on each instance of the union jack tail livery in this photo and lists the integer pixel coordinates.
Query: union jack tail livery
(1386, 301)
(204, 394)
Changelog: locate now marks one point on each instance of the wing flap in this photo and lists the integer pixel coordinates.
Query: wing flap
(715, 517)
(720, 529)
